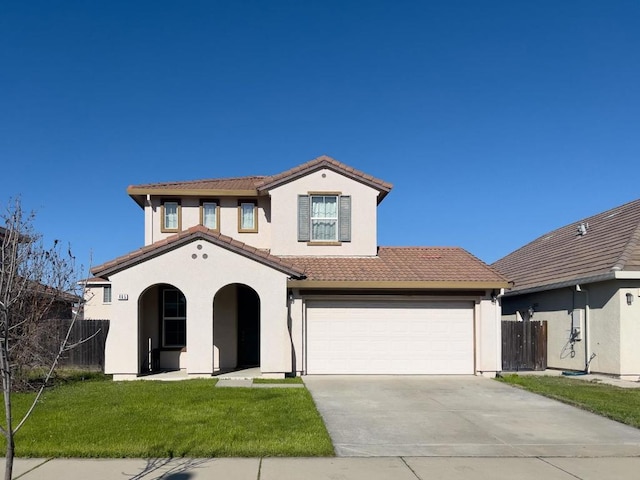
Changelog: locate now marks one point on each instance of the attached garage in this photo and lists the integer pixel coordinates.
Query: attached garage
(389, 337)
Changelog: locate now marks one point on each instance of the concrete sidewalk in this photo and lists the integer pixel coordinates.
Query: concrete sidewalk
(378, 468)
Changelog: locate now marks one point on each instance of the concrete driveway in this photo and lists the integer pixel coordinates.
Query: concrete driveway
(459, 416)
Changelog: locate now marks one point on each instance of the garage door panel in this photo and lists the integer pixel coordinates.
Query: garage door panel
(389, 337)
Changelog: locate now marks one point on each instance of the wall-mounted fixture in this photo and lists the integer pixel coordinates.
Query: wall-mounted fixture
(629, 298)
(531, 311)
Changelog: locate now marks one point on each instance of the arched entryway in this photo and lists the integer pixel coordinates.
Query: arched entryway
(236, 328)
(162, 327)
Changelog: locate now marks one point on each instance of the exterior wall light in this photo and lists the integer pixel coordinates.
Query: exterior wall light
(629, 298)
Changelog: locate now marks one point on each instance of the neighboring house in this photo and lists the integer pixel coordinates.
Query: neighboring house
(284, 272)
(97, 299)
(584, 279)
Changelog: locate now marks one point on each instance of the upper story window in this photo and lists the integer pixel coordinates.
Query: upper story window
(324, 218)
(247, 216)
(210, 214)
(171, 216)
(106, 294)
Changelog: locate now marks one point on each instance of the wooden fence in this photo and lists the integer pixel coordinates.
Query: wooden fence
(90, 337)
(524, 346)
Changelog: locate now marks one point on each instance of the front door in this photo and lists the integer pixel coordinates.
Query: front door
(248, 327)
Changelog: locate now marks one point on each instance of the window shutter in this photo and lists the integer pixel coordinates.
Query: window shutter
(304, 222)
(345, 219)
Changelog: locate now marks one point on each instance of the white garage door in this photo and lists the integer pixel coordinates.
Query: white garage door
(386, 337)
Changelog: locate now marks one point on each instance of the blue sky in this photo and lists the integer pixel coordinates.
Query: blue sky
(496, 121)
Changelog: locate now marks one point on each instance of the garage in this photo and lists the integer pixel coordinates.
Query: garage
(389, 337)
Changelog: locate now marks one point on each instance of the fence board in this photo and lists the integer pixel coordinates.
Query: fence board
(92, 335)
(524, 345)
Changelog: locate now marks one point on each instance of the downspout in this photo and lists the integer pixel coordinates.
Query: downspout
(149, 235)
(587, 339)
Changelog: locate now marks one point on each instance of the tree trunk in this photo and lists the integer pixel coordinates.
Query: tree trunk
(8, 466)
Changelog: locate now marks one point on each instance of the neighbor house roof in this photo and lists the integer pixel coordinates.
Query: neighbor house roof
(604, 246)
(400, 267)
(186, 236)
(253, 185)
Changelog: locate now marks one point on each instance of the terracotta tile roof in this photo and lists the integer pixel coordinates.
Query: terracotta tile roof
(324, 161)
(197, 232)
(256, 183)
(401, 264)
(237, 183)
(611, 243)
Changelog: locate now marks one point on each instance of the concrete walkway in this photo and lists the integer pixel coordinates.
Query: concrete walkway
(380, 468)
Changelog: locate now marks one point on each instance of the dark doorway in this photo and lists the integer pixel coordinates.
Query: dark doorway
(248, 327)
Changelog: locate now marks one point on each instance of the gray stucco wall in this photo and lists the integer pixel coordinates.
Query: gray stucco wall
(565, 311)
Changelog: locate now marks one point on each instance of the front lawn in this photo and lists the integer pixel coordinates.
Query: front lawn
(171, 419)
(621, 404)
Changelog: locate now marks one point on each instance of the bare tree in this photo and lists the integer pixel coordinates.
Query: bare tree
(36, 284)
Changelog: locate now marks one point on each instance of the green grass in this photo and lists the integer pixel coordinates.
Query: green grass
(170, 419)
(278, 380)
(621, 404)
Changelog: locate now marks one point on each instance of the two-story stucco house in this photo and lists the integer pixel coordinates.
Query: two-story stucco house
(284, 272)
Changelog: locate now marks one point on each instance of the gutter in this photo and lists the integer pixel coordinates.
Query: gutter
(613, 275)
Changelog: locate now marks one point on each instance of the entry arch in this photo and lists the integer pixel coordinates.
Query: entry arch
(162, 328)
(236, 327)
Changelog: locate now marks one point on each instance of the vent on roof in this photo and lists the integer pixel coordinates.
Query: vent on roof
(582, 229)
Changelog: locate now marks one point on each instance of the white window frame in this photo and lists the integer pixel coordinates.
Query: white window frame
(203, 213)
(107, 294)
(165, 227)
(242, 204)
(325, 218)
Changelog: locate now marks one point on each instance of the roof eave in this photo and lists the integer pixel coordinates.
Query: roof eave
(135, 260)
(396, 285)
(139, 194)
(382, 187)
(568, 283)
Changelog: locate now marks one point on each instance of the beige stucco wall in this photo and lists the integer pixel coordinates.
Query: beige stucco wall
(199, 279)
(284, 213)
(488, 336)
(190, 217)
(629, 329)
(94, 307)
(225, 329)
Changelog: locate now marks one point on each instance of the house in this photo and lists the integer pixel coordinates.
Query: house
(584, 280)
(284, 272)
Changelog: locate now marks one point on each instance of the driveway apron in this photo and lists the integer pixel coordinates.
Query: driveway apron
(460, 416)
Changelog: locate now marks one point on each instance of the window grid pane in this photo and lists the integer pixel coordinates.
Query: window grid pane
(106, 294)
(248, 216)
(209, 217)
(171, 215)
(324, 217)
(174, 309)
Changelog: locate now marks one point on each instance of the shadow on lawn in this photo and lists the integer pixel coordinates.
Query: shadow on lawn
(169, 469)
